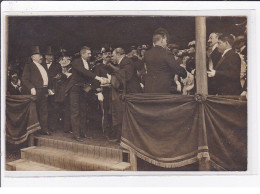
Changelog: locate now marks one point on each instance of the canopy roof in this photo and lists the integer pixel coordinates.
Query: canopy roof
(72, 32)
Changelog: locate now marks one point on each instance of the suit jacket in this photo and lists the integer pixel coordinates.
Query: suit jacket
(11, 90)
(161, 68)
(228, 74)
(127, 76)
(54, 69)
(80, 75)
(32, 77)
(215, 57)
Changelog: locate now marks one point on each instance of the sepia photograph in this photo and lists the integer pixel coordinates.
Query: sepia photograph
(126, 93)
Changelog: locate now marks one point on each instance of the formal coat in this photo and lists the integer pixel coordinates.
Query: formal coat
(52, 71)
(12, 90)
(127, 76)
(161, 68)
(80, 75)
(32, 77)
(215, 57)
(227, 75)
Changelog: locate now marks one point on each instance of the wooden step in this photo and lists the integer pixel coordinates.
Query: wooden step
(70, 160)
(26, 165)
(82, 148)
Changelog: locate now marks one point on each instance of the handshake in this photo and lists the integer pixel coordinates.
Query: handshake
(104, 80)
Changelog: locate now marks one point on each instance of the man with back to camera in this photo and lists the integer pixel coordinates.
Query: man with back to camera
(227, 71)
(82, 80)
(161, 66)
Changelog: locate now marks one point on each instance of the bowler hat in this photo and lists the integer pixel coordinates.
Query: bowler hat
(49, 51)
(35, 50)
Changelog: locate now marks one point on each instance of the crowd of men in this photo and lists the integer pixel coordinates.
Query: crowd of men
(81, 93)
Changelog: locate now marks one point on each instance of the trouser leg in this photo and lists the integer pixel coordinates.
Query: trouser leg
(75, 110)
(42, 108)
(66, 115)
(83, 113)
(53, 115)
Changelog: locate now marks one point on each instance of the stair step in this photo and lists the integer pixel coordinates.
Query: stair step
(70, 160)
(26, 165)
(81, 148)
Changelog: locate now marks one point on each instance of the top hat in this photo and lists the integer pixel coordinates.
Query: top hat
(35, 50)
(49, 51)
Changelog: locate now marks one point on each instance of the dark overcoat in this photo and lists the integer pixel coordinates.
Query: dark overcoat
(228, 74)
(161, 68)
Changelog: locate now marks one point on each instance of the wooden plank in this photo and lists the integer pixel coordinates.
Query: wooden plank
(133, 161)
(201, 68)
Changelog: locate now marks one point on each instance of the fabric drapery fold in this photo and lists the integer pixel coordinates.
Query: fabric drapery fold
(21, 118)
(173, 131)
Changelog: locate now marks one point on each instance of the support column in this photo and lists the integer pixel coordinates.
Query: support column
(201, 72)
(201, 68)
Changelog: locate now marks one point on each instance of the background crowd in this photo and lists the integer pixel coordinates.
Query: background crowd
(81, 91)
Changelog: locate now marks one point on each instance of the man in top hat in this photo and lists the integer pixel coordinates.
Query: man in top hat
(35, 79)
(53, 69)
(161, 66)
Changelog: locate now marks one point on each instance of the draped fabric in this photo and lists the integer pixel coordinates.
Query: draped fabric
(21, 118)
(174, 130)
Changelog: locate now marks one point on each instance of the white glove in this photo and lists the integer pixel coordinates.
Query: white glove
(50, 92)
(33, 91)
(109, 77)
(211, 73)
(100, 97)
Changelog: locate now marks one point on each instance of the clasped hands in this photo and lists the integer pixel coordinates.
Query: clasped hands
(104, 80)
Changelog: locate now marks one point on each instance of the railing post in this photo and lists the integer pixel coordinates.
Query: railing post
(133, 161)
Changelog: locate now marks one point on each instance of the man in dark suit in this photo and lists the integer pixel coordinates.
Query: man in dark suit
(227, 71)
(53, 69)
(161, 66)
(13, 87)
(81, 81)
(123, 80)
(35, 79)
(213, 58)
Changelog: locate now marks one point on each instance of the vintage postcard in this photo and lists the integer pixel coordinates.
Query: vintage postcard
(123, 92)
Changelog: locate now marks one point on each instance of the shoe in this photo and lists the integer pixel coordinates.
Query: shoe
(78, 139)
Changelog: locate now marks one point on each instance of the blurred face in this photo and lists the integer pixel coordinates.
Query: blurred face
(185, 59)
(49, 58)
(106, 56)
(14, 79)
(114, 57)
(164, 42)
(142, 52)
(86, 55)
(37, 58)
(213, 39)
(64, 61)
(175, 51)
(222, 46)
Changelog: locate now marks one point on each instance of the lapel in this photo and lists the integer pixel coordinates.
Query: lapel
(222, 59)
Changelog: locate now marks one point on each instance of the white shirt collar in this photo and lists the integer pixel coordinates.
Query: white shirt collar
(242, 48)
(226, 51)
(120, 60)
(214, 47)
